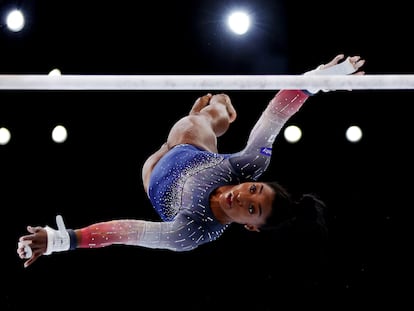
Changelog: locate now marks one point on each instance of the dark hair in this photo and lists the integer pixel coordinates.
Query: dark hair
(298, 225)
(304, 213)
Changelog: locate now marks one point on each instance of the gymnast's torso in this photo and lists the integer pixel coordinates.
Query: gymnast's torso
(181, 184)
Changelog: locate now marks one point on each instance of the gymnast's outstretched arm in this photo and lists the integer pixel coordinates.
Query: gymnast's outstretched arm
(281, 108)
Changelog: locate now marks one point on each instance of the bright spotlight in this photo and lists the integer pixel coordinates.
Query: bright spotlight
(239, 22)
(15, 20)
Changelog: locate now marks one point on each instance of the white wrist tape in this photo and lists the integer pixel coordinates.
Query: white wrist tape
(27, 249)
(57, 240)
(344, 68)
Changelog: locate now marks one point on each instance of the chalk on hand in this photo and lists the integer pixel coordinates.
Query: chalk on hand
(27, 249)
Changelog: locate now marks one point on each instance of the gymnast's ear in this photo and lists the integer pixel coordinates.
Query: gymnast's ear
(251, 227)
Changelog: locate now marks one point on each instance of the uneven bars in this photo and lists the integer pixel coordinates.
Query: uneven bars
(205, 82)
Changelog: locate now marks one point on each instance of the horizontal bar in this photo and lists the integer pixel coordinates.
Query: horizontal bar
(205, 82)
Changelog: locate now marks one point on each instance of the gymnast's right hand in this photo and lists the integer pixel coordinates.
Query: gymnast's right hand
(33, 245)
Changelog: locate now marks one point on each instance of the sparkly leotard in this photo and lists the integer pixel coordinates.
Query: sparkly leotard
(182, 181)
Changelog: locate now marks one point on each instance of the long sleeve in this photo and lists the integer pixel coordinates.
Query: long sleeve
(279, 110)
(124, 231)
(287, 102)
(184, 233)
(254, 159)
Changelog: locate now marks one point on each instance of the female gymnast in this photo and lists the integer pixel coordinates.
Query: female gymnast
(197, 191)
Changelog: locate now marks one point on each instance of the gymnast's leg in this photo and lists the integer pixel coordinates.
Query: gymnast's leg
(209, 118)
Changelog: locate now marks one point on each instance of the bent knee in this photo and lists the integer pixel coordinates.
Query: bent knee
(195, 130)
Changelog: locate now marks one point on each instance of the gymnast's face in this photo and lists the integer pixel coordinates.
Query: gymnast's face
(248, 203)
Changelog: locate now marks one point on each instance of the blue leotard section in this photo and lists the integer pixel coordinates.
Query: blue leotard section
(184, 174)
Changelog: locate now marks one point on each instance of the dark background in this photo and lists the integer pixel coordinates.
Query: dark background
(95, 175)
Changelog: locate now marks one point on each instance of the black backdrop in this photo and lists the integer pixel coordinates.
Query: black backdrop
(95, 175)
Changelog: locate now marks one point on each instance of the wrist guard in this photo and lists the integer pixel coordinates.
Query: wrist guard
(344, 68)
(57, 240)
